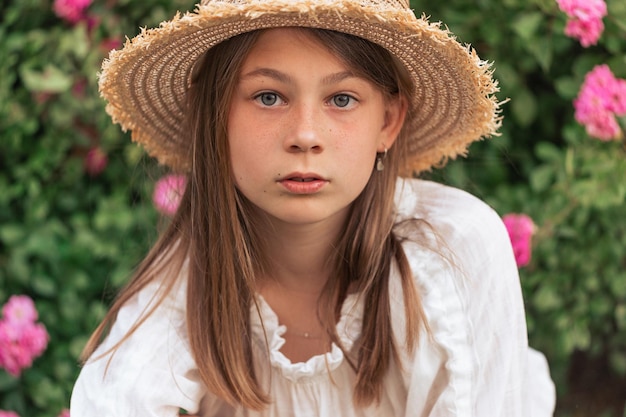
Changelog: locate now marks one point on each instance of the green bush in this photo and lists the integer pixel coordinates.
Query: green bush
(70, 239)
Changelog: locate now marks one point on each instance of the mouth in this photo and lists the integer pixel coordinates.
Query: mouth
(302, 177)
(299, 179)
(301, 183)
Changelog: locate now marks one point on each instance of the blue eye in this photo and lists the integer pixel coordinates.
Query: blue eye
(342, 100)
(268, 99)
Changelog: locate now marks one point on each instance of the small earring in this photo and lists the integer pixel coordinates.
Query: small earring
(380, 157)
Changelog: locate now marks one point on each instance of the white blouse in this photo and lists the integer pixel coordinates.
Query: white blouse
(475, 362)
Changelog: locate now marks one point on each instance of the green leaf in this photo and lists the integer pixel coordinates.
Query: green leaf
(11, 233)
(541, 49)
(44, 285)
(7, 381)
(542, 178)
(548, 152)
(620, 317)
(567, 87)
(524, 107)
(50, 80)
(547, 299)
(527, 24)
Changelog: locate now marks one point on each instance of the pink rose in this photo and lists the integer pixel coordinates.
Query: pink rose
(19, 310)
(521, 229)
(64, 413)
(4, 413)
(34, 339)
(72, 11)
(168, 193)
(585, 19)
(21, 339)
(603, 126)
(10, 355)
(583, 9)
(96, 161)
(588, 32)
(602, 97)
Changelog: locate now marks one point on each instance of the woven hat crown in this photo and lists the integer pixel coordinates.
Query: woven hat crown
(389, 3)
(452, 103)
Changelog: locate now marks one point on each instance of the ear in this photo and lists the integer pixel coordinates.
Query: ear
(395, 113)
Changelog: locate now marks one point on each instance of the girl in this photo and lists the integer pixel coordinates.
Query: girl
(300, 275)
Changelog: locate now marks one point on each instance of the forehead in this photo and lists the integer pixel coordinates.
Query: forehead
(291, 45)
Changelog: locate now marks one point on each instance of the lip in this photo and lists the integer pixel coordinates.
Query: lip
(303, 183)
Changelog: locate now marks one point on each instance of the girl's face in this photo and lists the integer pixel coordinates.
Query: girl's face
(304, 130)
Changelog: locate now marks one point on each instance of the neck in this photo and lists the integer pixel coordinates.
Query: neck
(299, 255)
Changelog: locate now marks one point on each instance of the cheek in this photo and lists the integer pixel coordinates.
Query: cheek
(249, 155)
(244, 163)
(357, 147)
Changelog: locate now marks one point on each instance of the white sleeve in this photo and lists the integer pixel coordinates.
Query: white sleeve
(475, 308)
(496, 315)
(151, 374)
(507, 374)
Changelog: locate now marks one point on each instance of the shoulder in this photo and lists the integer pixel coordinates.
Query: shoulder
(441, 204)
(457, 239)
(456, 217)
(147, 342)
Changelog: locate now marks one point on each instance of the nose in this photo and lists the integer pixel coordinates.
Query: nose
(305, 130)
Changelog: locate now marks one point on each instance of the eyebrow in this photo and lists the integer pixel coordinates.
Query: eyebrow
(270, 73)
(286, 79)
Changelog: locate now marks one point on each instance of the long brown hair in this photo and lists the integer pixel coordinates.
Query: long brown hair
(215, 231)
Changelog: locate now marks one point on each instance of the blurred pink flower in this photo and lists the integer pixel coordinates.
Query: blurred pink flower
(521, 229)
(34, 339)
(72, 11)
(585, 19)
(19, 310)
(96, 161)
(586, 31)
(603, 125)
(168, 191)
(93, 21)
(109, 44)
(79, 87)
(64, 413)
(583, 9)
(4, 413)
(21, 339)
(602, 97)
(42, 97)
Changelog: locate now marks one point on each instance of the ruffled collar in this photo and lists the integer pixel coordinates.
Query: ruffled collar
(265, 326)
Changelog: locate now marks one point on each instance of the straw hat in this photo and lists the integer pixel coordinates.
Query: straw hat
(145, 82)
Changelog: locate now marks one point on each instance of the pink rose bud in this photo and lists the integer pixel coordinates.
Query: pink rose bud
(79, 88)
(168, 193)
(4, 413)
(521, 229)
(109, 44)
(73, 11)
(96, 161)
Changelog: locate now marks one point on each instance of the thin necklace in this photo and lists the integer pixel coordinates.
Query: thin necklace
(305, 335)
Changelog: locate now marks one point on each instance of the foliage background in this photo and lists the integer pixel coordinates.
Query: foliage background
(69, 239)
